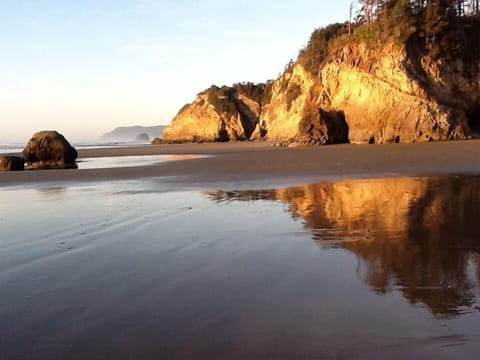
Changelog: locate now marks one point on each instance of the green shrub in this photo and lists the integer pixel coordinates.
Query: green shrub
(312, 55)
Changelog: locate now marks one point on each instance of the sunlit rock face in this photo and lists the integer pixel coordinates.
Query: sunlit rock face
(395, 94)
(219, 114)
(418, 236)
(290, 93)
(197, 121)
(387, 93)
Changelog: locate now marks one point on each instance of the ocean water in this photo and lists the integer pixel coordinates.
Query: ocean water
(111, 161)
(367, 269)
(11, 148)
(7, 148)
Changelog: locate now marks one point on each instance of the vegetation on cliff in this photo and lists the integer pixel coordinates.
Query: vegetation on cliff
(312, 56)
(441, 29)
(223, 98)
(401, 71)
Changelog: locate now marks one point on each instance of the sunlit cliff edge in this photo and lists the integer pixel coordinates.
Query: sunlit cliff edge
(394, 81)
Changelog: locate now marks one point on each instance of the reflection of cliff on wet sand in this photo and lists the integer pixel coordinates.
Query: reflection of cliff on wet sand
(417, 235)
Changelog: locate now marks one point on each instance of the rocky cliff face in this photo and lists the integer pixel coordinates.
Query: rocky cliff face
(290, 92)
(382, 102)
(385, 92)
(220, 114)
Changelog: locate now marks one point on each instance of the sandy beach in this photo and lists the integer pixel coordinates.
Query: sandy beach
(259, 164)
(314, 194)
(245, 251)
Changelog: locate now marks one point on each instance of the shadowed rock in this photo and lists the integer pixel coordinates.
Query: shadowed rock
(11, 163)
(49, 149)
(322, 128)
(159, 141)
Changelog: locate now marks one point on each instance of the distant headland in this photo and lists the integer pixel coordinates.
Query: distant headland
(134, 133)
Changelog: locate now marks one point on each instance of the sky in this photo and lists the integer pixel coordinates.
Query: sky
(86, 67)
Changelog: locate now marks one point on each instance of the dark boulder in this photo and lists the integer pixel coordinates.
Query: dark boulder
(11, 163)
(159, 141)
(49, 149)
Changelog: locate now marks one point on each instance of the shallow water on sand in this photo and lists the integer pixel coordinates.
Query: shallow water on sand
(109, 162)
(350, 269)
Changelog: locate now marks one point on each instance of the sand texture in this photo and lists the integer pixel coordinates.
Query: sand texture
(217, 257)
(259, 163)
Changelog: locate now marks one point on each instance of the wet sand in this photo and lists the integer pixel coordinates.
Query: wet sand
(260, 164)
(215, 257)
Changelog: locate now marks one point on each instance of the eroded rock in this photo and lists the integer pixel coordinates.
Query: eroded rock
(49, 149)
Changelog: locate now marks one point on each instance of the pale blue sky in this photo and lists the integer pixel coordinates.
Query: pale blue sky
(85, 67)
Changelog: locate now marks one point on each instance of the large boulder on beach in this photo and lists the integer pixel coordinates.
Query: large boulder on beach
(49, 149)
(11, 163)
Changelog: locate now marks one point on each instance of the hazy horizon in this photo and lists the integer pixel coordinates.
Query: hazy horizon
(72, 137)
(86, 68)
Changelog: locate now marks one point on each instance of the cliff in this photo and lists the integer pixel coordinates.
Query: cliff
(358, 88)
(220, 114)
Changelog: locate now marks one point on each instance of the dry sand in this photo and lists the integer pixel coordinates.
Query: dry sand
(258, 164)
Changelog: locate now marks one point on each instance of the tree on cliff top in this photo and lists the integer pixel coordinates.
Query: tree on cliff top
(442, 25)
(312, 55)
(371, 10)
(441, 28)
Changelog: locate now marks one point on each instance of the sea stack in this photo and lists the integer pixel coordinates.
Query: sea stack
(49, 149)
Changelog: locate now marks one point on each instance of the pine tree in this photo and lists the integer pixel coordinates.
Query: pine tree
(368, 8)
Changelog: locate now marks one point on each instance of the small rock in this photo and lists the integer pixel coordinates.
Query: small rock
(11, 163)
(159, 141)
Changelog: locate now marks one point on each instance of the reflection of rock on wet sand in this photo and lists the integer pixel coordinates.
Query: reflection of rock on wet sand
(420, 236)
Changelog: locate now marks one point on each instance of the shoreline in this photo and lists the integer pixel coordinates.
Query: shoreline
(259, 164)
(159, 260)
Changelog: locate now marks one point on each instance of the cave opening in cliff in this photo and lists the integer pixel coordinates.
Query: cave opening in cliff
(473, 119)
